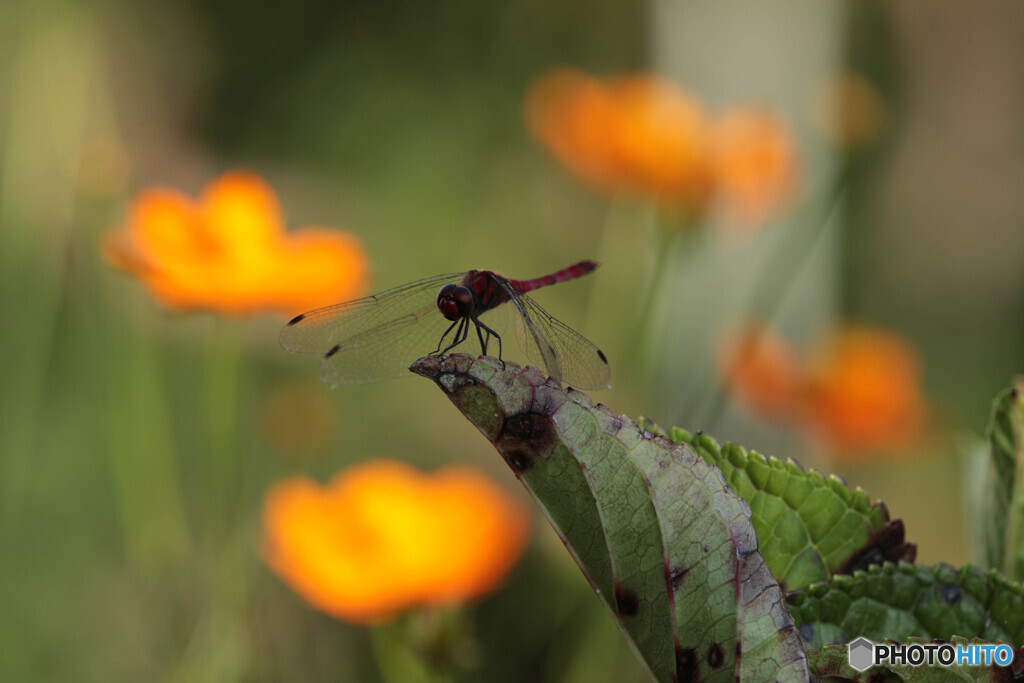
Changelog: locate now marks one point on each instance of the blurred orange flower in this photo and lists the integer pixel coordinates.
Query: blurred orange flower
(759, 369)
(382, 537)
(863, 389)
(643, 135)
(229, 251)
(860, 390)
(755, 163)
(638, 134)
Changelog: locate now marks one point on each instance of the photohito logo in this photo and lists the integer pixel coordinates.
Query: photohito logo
(863, 654)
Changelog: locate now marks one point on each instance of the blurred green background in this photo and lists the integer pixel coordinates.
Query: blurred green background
(136, 444)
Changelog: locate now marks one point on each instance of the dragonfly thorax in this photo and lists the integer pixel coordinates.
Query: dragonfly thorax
(455, 301)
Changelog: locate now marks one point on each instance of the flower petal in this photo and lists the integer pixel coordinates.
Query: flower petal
(382, 537)
(229, 253)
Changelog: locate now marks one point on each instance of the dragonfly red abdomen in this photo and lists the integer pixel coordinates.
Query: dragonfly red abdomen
(377, 337)
(574, 271)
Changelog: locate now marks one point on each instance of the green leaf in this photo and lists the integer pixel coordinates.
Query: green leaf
(1002, 518)
(668, 547)
(810, 526)
(832, 662)
(905, 600)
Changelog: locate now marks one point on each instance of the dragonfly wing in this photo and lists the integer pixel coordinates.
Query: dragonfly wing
(536, 346)
(496, 319)
(318, 331)
(347, 330)
(387, 350)
(564, 353)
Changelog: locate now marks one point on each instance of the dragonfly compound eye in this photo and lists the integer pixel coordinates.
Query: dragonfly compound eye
(455, 302)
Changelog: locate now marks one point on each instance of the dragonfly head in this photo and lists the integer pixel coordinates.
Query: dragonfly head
(455, 301)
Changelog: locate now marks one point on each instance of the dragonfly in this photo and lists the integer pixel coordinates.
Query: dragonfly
(377, 337)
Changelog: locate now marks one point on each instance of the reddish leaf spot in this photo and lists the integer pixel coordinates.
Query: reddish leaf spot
(889, 545)
(547, 400)
(676, 575)
(626, 600)
(519, 461)
(715, 656)
(531, 428)
(686, 664)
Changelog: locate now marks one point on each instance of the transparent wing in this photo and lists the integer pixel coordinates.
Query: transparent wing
(373, 338)
(387, 351)
(563, 352)
(320, 330)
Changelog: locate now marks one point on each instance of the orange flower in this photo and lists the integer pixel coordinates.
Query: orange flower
(229, 252)
(643, 135)
(660, 142)
(759, 369)
(862, 390)
(638, 134)
(382, 537)
(755, 163)
(572, 113)
(858, 391)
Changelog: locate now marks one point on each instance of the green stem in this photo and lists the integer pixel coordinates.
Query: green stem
(143, 454)
(663, 242)
(600, 253)
(34, 300)
(411, 649)
(667, 241)
(221, 398)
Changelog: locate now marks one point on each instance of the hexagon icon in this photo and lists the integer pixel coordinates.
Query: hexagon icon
(861, 654)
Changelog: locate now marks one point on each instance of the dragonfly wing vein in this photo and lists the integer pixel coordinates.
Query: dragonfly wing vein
(386, 351)
(531, 340)
(322, 329)
(581, 363)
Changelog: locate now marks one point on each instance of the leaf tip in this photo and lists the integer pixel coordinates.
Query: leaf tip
(428, 366)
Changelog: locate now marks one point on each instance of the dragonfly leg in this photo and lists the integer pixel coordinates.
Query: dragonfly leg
(480, 336)
(490, 333)
(441, 340)
(460, 335)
